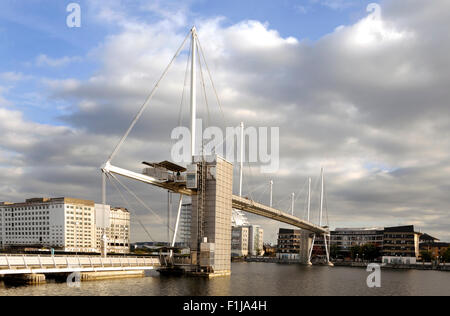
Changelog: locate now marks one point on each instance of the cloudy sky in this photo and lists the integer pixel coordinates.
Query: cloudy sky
(363, 94)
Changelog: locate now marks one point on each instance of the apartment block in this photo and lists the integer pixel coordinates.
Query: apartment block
(65, 224)
(401, 241)
(61, 223)
(115, 223)
(255, 240)
(239, 241)
(346, 238)
(289, 244)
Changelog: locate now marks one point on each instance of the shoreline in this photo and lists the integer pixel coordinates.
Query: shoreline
(419, 266)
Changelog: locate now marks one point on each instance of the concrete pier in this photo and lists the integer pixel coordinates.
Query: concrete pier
(108, 275)
(28, 279)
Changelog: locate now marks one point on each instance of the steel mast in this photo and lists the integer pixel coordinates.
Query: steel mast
(193, 91)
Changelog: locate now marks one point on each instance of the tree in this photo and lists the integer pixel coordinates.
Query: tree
(446, 255)
(334, 251)
(427, 256)
(355, 252)
(370, 252)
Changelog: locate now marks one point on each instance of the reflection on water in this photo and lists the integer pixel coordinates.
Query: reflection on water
(257, 279)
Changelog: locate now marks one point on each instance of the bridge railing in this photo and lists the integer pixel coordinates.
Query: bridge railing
(15, 262)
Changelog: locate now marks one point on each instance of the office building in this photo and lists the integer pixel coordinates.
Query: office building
(401, 241)
(346, 238)
(433, 245)
(289, 244)
(255, 240)
(62, 223)
(239, 241)
(66, 224)
(115, 223)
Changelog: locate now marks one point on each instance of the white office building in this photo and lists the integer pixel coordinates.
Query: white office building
(239, 241)
(255, 240)
(115, 224)
(65, 224)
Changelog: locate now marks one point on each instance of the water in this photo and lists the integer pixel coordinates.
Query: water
(259, 279)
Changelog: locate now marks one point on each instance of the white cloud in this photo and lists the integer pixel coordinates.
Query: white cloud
(336, 4)
(368, 101)
(13, 76)
(44, 60)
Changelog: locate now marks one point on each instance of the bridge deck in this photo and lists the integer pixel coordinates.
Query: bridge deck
(17, 264)
(238, 202)
(250, 206)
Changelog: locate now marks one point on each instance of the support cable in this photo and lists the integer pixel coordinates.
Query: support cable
(147, 101)
(186, 76)
(138, 199)
(129, 207)
(208, 121)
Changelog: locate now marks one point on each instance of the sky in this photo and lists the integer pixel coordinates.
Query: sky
(361, 93)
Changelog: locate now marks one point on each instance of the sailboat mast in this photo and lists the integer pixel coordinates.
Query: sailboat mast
(271, 194)
(193, 92)
(241, 171)
(309, 199)
(321, 198)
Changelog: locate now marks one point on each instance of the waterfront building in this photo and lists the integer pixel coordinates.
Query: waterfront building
(239, 241)
(426, 239)
(65, 224)
(433, 245)
(401, 241)
(437, 249)
(115, 222)
(255, 240)
(289, 244)
(346, 238)
(61, 223)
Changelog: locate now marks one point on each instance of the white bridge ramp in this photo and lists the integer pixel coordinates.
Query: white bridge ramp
(16, 264)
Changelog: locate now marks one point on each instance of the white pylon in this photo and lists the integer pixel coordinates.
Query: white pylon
(271, 194)
(293, 203)
(309, 199)
(241, 170)
(193, 92)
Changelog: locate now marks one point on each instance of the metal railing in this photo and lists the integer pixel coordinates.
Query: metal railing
(21, 264)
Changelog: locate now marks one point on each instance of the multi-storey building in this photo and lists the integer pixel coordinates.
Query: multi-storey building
(289, 243)
(346, 238)
(65, 224)
(401, 241)
(239, 241)
(255, 240)
(433, 245)
(115, 223)
(62, 223)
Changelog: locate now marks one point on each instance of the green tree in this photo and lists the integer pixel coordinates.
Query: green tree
(334, 251)
(370, 252)
(355, 252)
(426, 256)
(446, 255)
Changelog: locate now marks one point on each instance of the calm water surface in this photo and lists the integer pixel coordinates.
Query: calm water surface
(258, 279)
